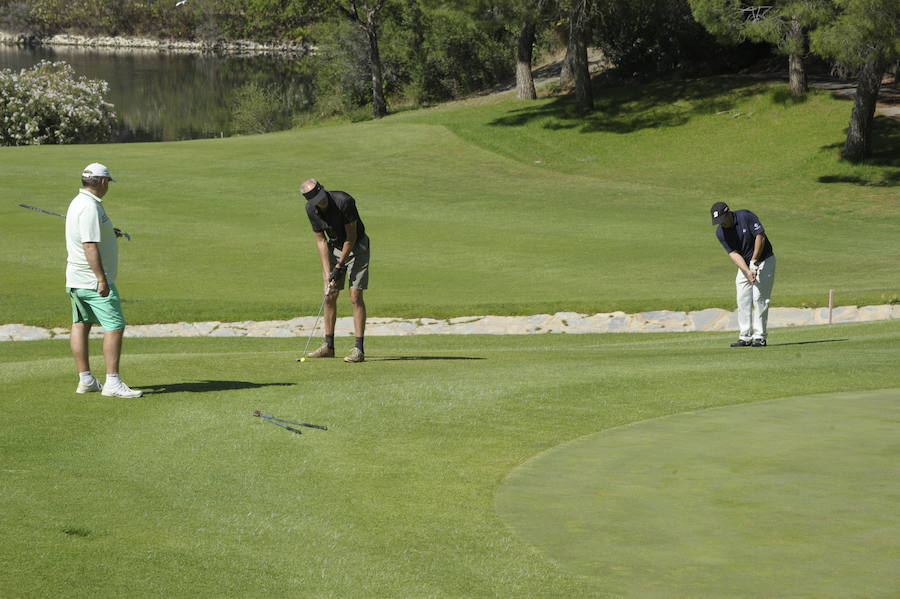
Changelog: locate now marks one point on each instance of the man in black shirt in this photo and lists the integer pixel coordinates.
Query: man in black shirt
(343, 248)
(744, 238)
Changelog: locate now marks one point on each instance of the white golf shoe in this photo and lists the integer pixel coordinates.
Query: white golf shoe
(120, 390)
(91, 387)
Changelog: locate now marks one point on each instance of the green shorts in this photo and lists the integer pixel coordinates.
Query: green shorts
(357, 265)
(90, 306)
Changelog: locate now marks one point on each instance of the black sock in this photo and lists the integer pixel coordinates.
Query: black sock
(329, 341)
(359, 344)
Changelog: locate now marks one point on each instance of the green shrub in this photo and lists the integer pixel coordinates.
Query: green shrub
(48, 104)
(259, 109)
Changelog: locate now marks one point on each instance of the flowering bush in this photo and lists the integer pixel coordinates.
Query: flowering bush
(48, 104)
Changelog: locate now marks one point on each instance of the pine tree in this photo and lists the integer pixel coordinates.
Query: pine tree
(784, 23)
(864, 37)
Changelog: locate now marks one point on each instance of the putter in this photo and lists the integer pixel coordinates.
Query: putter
(315, 325)
(118, 231)
(273, 418)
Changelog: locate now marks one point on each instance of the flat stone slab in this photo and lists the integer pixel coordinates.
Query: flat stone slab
(658, 321)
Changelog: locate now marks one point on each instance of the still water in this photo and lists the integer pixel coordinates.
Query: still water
(166, 96)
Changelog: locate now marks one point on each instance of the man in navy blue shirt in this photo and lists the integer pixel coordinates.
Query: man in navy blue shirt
(744, 238)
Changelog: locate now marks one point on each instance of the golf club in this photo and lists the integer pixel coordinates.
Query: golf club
(119, 232)
(315, 325)
(290, 428)
(272, 417)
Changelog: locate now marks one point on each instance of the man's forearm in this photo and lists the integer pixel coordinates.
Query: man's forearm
(346, 249)
(322, 247)
(92, 253)
(758, 244)
(739, 261)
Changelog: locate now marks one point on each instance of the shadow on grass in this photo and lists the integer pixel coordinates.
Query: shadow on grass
(413, 358)
(625, 109)
(808, 342)
(205, 386)
(885, 152)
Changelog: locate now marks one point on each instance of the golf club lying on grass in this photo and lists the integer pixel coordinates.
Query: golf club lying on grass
(119, 232)
(283, 422)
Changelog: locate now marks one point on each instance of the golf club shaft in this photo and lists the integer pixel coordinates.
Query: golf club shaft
(50, 212)
(271, 417)
(42, 210)
(290, 428)
(316, 323)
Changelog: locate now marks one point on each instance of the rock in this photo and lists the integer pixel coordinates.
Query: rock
(23, 332)
(791, 317)
(712, 319)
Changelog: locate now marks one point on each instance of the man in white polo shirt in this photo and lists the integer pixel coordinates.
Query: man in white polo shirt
(91, 268)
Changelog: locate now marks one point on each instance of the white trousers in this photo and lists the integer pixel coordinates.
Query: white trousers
(753, 300)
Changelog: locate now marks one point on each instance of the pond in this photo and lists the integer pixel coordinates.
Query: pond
(161, 96)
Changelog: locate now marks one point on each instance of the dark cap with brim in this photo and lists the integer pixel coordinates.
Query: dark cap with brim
(718, 212)
(315, 195)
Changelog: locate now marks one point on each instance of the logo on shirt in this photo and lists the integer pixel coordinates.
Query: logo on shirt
(755, 225)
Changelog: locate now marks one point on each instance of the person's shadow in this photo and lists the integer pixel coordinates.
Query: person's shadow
(808, 342)
(204, 386)
(405, 358)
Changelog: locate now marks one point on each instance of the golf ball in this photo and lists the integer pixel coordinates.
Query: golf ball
(303, 359)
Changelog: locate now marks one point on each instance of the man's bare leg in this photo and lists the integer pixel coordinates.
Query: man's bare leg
(359, 312)
(112, 350)
(330, 317)
(78, 341)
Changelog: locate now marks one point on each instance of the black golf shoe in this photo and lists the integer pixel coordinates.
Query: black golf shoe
(759, 343)
(741, 343)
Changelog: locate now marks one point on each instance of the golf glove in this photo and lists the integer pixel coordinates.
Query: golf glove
(337, 271)
(754, 267)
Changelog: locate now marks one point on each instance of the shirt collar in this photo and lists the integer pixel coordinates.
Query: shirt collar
(90, 195)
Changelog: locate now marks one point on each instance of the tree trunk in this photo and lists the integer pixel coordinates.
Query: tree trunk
(859, 134)
(796, 70)
(584, 99)
(524, 80)
(566, 77)
(379, 104)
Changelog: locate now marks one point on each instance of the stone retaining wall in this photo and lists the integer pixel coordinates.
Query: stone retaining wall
(152, 45)
(660, 321)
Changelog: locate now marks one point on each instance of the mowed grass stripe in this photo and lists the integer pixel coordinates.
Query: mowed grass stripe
(464, 222)
(193, 495)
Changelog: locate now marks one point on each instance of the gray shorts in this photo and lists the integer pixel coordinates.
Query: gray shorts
(357, 265)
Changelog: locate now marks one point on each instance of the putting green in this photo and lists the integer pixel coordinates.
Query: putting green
(790, 497)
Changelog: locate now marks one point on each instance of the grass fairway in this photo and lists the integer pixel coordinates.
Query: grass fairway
(184, 494)
(484, 207)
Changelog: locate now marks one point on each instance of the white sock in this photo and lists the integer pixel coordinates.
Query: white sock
(113, 379)
(86, 377)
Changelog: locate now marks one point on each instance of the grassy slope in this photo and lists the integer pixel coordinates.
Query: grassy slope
(463, 218)
(184, 494)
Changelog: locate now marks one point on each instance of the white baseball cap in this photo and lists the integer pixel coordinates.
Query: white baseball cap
(95, 169)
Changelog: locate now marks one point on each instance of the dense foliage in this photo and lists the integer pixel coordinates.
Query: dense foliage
(430, 50)
(376, 52)
(197, 19)
(657, 36)
(48, 104)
